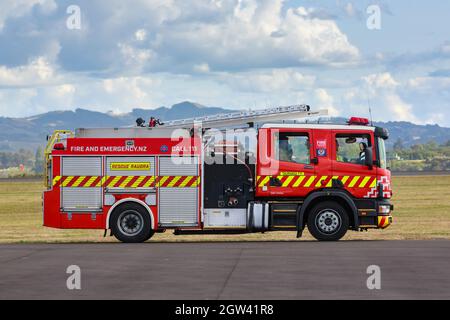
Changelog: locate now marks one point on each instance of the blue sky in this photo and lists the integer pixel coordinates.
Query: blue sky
(228, 53)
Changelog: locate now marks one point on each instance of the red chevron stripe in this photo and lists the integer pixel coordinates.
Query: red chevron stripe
(144, 181)
(71, 182)
(96, 181)
(130, 183)
(84, 181)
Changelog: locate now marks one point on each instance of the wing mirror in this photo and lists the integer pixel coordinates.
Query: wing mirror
(369, 158)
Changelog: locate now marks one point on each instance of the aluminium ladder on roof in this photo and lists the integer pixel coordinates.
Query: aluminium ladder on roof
(244, 117)
(218, 121)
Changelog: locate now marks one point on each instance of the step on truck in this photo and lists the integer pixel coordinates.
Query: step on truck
(251, 171)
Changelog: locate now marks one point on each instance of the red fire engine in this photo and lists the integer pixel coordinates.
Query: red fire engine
(217, 175)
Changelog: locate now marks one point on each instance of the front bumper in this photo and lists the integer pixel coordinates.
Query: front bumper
(384, 221)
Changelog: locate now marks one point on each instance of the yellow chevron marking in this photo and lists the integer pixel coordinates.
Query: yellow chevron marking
(101, 183)
(113, 182)
(319, 183)
(162, 180)
(354, 181)
(149, 182)
(288, 181)
(79, 180)
(345, 179)
(299, 181)
(56, 179)
(174, 180)
(67, 180)
(374, 183)
(196, 183)
(138, 181)
(364, 182)
(125, 182)
(89, 182)
(330, 183)
(310, 181)
(264, 181)
(186, 181)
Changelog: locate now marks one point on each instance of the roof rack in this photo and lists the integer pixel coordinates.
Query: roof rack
(247, 117)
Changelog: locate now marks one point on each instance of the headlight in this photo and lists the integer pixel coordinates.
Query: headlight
(384, 209)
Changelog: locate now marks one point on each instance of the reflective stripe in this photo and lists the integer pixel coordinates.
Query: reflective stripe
(299, 181)
(288, 181)
(149, 182)
(66, 181)
(319, 183)
(125, 182)
(330, 183)
(364, 182)
(138, 182)
(264, 181)
(78, 181)
(90, 181)
(374, 183)
(310, 181)
(354, 181)
(196, 182)
(174, 180)
(345, 179)
(186, 181)
(56, 180)
(112, 183)
(162, 180)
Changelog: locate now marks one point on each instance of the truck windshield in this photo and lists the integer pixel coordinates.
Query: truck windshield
(382, 153)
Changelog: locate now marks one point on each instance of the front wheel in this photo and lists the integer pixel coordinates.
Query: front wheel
(131, 223)
(328, 221)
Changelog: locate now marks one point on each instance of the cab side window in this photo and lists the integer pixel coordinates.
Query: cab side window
(293, 147)
(351, 148)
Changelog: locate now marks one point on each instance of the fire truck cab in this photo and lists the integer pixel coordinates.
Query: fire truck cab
(277, 176)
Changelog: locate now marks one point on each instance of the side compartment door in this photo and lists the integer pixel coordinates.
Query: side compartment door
(290, 169)
(81, 188)
(178, 191)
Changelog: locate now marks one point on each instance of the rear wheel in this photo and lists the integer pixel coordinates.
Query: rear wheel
(130, 223)
(328, 221)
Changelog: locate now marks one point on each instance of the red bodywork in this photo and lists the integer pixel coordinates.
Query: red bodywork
(300, 180)
(104, 147)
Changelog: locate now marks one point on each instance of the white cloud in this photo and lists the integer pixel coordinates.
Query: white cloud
(38, 72)
(325, 101)
(19, 8)
(201, 68)
(269, 81)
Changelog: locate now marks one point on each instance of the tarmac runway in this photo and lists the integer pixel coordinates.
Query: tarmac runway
(235, 270)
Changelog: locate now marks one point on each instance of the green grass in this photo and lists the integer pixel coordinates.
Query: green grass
(422, 211)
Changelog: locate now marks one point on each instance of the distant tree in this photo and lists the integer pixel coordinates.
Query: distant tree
(39, 161)
(399, 144)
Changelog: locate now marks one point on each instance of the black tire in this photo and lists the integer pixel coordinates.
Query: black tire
(328, 221)
(130, 223)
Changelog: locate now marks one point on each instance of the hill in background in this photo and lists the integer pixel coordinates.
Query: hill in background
(29, 133)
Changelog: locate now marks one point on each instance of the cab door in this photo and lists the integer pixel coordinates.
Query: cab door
(288, 169)
(349, 164)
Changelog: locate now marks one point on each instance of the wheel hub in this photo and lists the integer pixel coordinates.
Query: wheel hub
(130, 222)
(328, 221)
